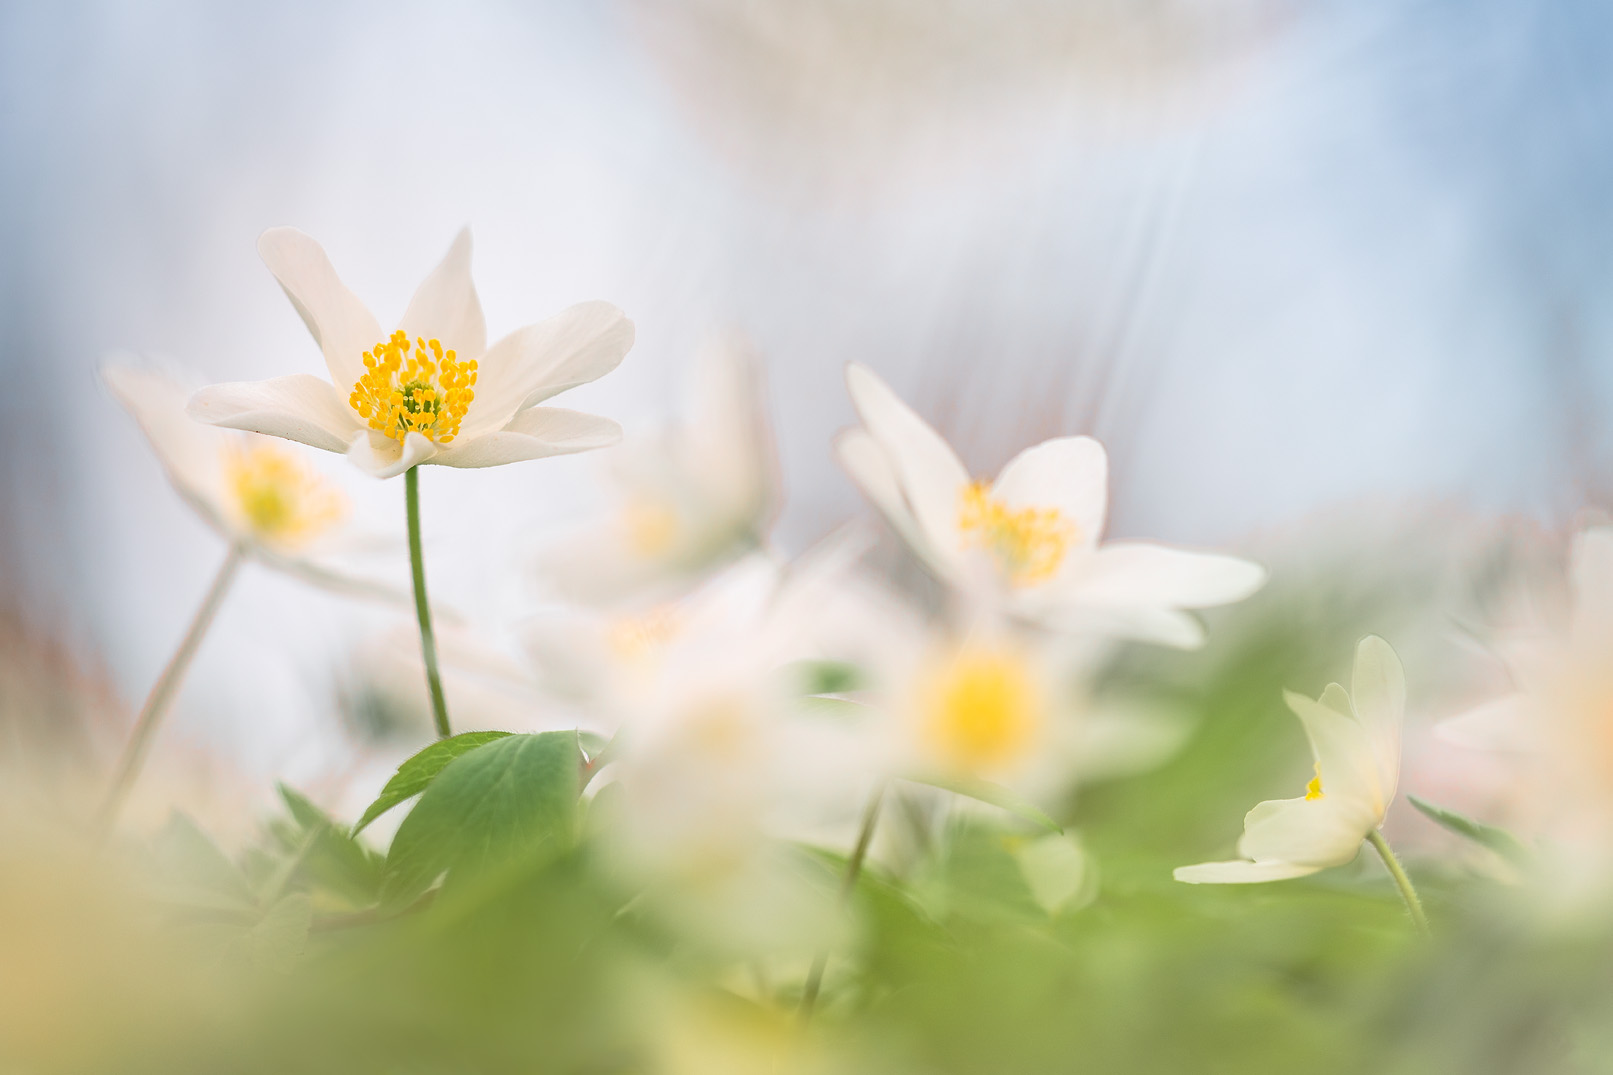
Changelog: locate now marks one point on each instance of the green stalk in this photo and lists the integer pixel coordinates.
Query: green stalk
(848, 885)
(1407, 892)
(422, 607)
(162, 693)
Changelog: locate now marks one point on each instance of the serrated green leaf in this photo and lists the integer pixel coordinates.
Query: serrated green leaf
(509, 799)
(277, 941)
(993, 795)
(416, 774)
(322, 854)
(195, 871)
(1496, 839)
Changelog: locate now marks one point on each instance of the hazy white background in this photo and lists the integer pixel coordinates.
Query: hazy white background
(1281, 256)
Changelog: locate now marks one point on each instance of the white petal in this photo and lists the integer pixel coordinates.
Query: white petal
(341, 324)
(928, 472)
(579, 344)
(300, 407)
(1345, 753)
(1378, 689)
(445, 306)
(535, 433)
(1591, 569)
(1311, 832)
(331, 577)
(595, 565)
(188, 450)
(724, 439)
(1240, 872)
(1337, 699)
(1163, 626)
(1152, 575)
(380, 456)
(1509, 723)
(868, 465)
(1067, 473)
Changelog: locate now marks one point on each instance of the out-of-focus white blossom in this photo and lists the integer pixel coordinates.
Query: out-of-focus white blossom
(1030, 539)
(1001, 705)
(697, 496)
(715, 753)
(1556, 729)
(259, 494)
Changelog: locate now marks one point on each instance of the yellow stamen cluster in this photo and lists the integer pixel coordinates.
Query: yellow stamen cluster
(1029, 544)
(1313, 790)
(277, 496)
(982, 711)
(420, 389)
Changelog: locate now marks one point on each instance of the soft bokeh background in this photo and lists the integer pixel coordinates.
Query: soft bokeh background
(1291, 260)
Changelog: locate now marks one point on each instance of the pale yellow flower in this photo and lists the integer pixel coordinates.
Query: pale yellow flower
(1355, 739)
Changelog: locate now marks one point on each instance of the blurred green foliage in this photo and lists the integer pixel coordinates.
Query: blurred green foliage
(311, 951)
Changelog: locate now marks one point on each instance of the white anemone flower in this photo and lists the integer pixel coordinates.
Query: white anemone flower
(997, 705)
(715, 759)
(260, 495)
(698, 496)
(1558, 725)
(1031, 537)
(1355, 739)
(432, 391)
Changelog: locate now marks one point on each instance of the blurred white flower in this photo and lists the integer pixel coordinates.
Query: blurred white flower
(1558, 725)
(1029, 539)
(432, 391)
(260, 495)
(1002, 706)
(694, 498)
(715, 755)
(1355, 738)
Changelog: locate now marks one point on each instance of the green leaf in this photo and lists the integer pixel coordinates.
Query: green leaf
(1496, 839)
(323, 854)
(993, 795)
(416, 774)
(593, 744)
(277, 941)
(1056, 871)
(510, 799)
(193, 869)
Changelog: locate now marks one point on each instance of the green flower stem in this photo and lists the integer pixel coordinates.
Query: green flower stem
(162, 693)
(848, 885)
(1413, 904)
(422, 607)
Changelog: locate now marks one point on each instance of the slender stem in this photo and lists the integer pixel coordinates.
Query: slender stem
(162, 693)
(848, 885)
(1413, 904)
(422, 607)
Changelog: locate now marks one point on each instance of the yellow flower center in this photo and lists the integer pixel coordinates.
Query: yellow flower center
(652, 526)
(1313, 790)
(419, 389)
(982, 711)
(1028, 544)
(278, 496)
(635, 638)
